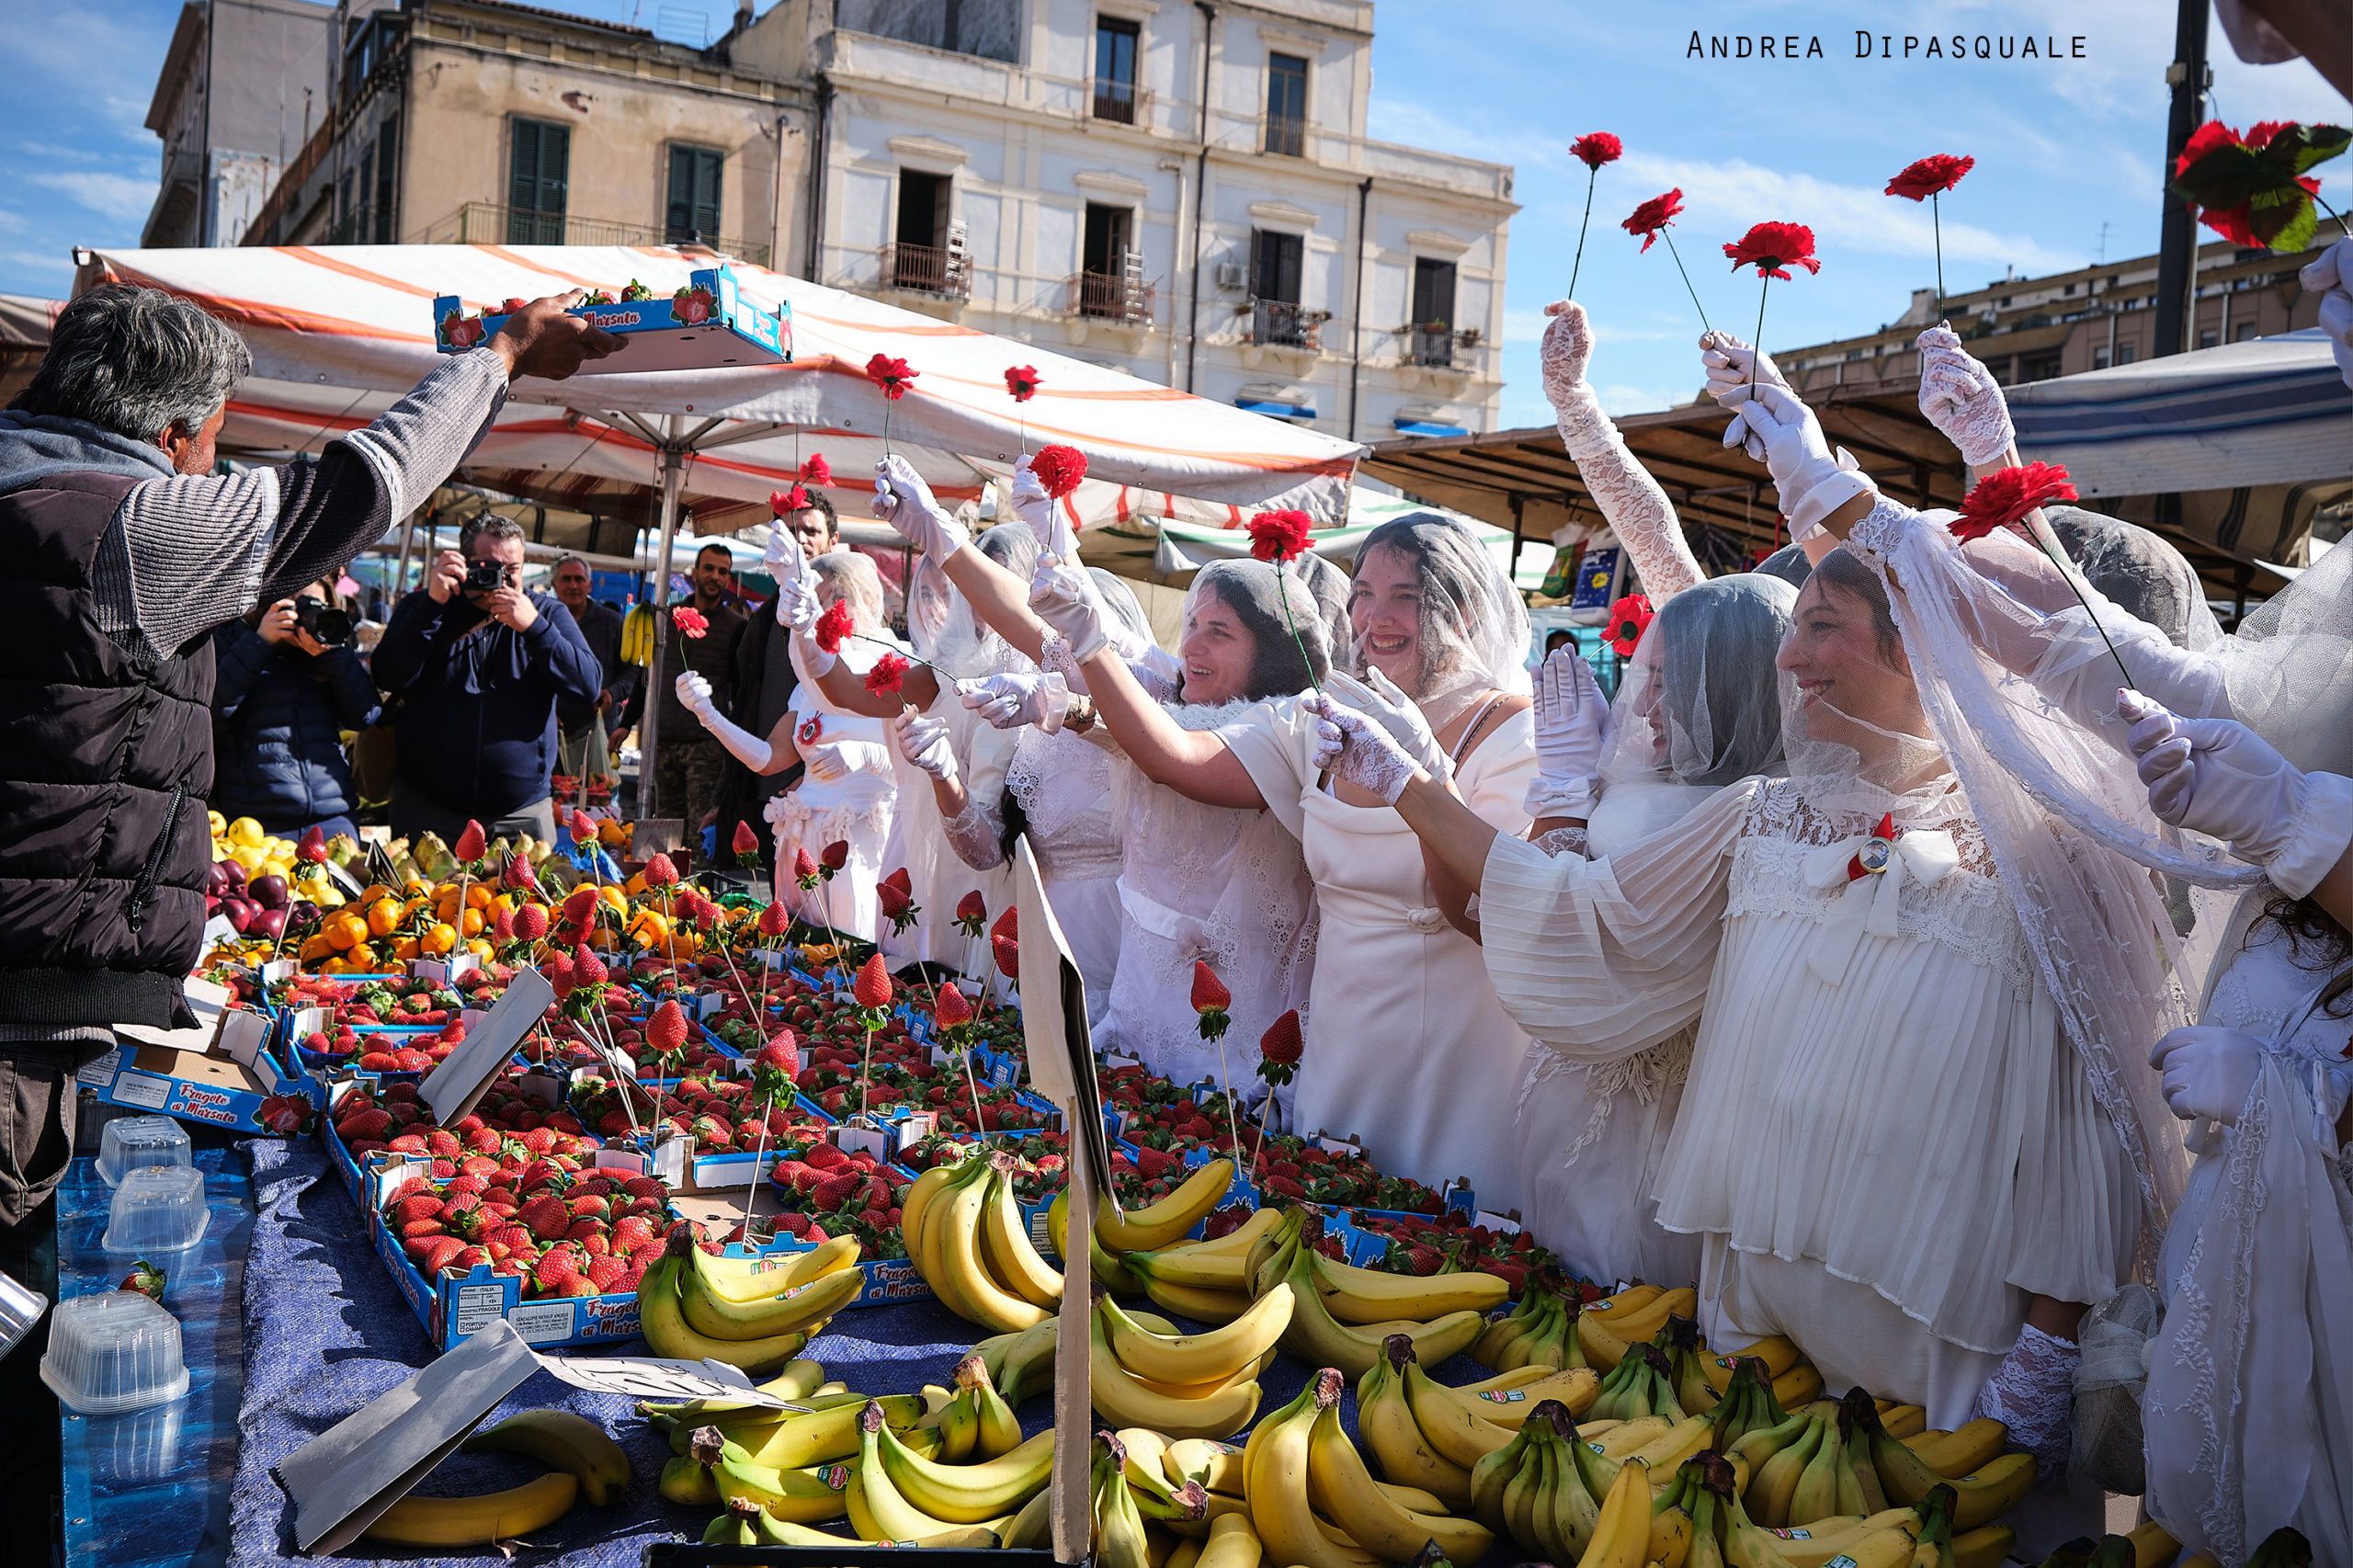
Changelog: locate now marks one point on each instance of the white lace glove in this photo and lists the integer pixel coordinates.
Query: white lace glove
(826, 764)
(1378, 698)
(2207, 1071)
(1352, 747)
(1636, 508)
(1019, 698)
(1037, 512)
(2331, 278)
(694, 694)
(1812, 481)
(1727, 361)
(797, 610)
(2033, 1393)
(923, 742)
(1062, 597)
(1959, 396)
(1571, 732)
(2217, 776)
(903, 500)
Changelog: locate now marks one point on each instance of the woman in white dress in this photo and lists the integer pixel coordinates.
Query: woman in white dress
(1887, 1146)
(847, 793)
(1697, 712)
(1218, 884)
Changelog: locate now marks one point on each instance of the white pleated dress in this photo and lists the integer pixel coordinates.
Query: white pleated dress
(1886, 1142)
(937, 876)
(1066, 788)
(1407, 1046)
(857, 809)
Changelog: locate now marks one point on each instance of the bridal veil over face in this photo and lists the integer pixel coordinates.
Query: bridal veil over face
(1473, 632)
(1700, 701)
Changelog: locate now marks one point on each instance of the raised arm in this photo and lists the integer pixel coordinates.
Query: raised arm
(774, 755)
(1636, 508)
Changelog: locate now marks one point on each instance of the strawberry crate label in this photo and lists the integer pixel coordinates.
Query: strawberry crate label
(541, 1323)
(706, 325)
(856, 1139)
(98, 1072)
(446, 972)
(276, 970)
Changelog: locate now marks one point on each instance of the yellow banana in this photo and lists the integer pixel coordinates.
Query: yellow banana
(1773, 1483)
(1777, 1351)
(1385, 1424)
(476, 1521)
(962, 1537)
(1622, 1535)
(1454, 1430)
(970, 1493)
(1963, 1450)
(1624, 1439)
(1216, 1465)
(661, 1320)
(1518, 1378)
(997, 1430)
(1155, 1226)
(1798, 1387)
(805, 1308)
(1667, 1452)
(1109, 1272)
(915, 1203)
(1321, 1340)
(1813, 1545)
(1360, 1295)
(1343, 1491)
(1005, 1246)
(1221, 1264)
(821, 1436)
(1123, 1401)
(1208, 1358)
(1978, 1498)
(1277, 1466)
(1233, 1543)
(949, 1260)
(877, 1508)
(809, 1495)
(1670, 1542)
(1573, 1390)
(747, 1279)
(1988, 1545)
(2152, 1547)
(1120, 1539)
(1903, 1420)
(564, 1441)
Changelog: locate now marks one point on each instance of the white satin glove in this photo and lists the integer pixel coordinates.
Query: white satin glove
(903, 500)
(1571, 732)
(923, 742)
(782, 557)
(826, 764)
(1037, 512)
(2331, 278)
(1728, 362)
(2207, 1072)
(2217, 776)
(1813, 482)
(1378, 698)
(1959, 396)
(1350, 746)
(1019, 698)
(1061, 595)
(695, 693)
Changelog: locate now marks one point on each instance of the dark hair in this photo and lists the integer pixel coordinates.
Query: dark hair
(1840, 570)
(821, 501)
(723, 550)
(1557, 636)
(1276, 667)
(138, 362)
(2308, 926)
(488, 525)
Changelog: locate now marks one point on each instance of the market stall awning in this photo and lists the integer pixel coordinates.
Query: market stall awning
(24, 338)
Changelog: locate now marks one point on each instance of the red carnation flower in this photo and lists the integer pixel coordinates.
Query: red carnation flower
(1059, 469)
(1773, 249)
(1654, 215)
(660, 873)
(1021, 381)
(2003, 497)
(872, 986)
(2250, 189)
(784, 503)
(746, 842)
(472, 843)
(888, 676)
(1929, 176)
(1629, 618)
(1596, 148)
(834, 856)
(891, 374)
(690, 621)
(816, 470)
(1279, 535)
(1210, 993)
(834, 626)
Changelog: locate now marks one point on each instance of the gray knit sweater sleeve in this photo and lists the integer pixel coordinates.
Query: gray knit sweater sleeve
(192, 551)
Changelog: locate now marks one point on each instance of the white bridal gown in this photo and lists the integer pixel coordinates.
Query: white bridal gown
(1065, 788)
(856, 809)
(938, 876)
(1886, 1142)
(1407, 1047)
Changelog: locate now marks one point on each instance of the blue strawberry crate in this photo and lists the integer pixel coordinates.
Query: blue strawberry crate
(707, 325)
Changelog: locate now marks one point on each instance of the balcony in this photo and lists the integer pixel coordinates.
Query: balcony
(491, 223)
(1430, 347)
(928, 269)
(1285, 136)
(1286, 323)
(1116, 101)
(1104, 296)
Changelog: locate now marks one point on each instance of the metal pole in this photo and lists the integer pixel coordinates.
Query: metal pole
(400, 573)
(2187, 76)
(673, 479)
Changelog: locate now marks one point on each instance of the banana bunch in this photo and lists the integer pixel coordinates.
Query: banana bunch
(965, 1237)
(1160, 1224)
(1210, 1283)
(1133, 1499)
(1607, 1329)
(1183, 1385)
(1744, 1404)
(637, 635)
(1641, 1385)
(1541, 1331)
(1432, 1437)
(976, 1422)
(695, 1307)
(581, 1458)
(1342, 1314)
(890, 1494)
(1023, 1364)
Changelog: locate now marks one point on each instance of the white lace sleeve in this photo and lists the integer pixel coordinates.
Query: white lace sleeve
(1633, 501)
(1600, 959)
(977, 833)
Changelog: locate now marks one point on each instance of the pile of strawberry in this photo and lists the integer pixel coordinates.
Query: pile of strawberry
(722, 1115)
(831, 1192)
(561, 1233)
(401, 1003)
(508, 1122)
(381, 1052)
(1040, 1159)
(1450, 1241)
(1297, 1171)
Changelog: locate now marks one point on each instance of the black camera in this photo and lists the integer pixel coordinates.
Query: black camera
(485, 577)
(325, 623)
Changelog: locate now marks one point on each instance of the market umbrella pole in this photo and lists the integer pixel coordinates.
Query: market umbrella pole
(674, 480)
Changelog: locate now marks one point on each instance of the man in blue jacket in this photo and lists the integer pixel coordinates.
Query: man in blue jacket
(477, 663)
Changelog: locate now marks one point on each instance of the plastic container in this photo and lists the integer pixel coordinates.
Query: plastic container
(20, 1308)
(112, 1351)
(132, 1142)
(158, 1209)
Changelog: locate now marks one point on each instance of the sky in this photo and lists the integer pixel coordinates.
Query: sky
(2069, 151)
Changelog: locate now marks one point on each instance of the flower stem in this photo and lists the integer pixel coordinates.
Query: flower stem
(1756, 344)
(1687, 281)
(1591, 176)
(1282, 592)
(2334, 216)
(1936, 228)
(2046, 537)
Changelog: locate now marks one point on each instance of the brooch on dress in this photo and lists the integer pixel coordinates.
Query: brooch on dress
(1876, 852)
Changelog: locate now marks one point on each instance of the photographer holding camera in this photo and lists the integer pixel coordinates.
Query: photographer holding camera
(287, 685)
(477, 663)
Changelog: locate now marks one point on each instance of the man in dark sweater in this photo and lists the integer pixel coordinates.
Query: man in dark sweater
(477, 665)
(687, 762)
(579, 722)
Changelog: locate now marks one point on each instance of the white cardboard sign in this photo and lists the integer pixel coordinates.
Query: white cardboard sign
(450, 1090)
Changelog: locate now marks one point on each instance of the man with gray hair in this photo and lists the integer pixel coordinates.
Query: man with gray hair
(123, 550)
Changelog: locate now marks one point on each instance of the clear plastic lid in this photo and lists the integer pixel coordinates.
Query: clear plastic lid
(20, 1308)
(130, 1142)
(157, 1208)
(113, 1351)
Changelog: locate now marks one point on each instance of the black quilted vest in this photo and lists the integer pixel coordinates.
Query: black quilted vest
(104, 768)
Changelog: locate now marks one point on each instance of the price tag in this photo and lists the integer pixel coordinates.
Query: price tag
(708, 1385)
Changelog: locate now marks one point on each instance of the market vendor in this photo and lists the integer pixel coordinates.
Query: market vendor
(127, 549)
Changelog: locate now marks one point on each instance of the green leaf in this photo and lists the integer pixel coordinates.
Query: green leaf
(2296, 232)
(2229, 177)
(2301, 147)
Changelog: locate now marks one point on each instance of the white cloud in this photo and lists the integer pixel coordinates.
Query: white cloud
(119, 196)
(59, 262)
(1618, 398)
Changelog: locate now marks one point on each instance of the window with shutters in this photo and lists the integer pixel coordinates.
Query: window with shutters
(1286, 104)
(387, 145)
(1276, 263)
(693, 212)
(539, 171)
(1433, 326)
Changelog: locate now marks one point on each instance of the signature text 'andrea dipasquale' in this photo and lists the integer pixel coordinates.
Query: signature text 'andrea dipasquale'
(1887, 46)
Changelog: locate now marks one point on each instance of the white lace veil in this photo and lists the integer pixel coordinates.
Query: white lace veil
(940, 622)
(846, 575)
(1328, 587)
(1121, 600)
(1473, 632)
(1700, 701)
(1258, 592)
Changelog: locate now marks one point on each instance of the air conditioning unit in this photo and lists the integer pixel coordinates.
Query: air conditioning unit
(1233, 275)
